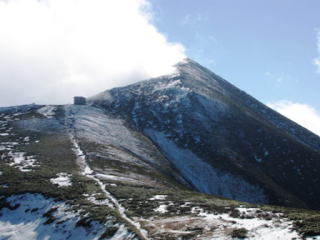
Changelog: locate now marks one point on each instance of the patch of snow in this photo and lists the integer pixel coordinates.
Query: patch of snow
(258, 229)
(10, 143)
(4, 134)
(160, 86)
(62, 180)
(122, 234)
(27, 221)
(158, 197)
(47, 111)
(26, 139)
(205, 177)
(104, 202)
(114, 178)
(197, 210)
(21, 161)
(161, 209)
(313, 238)
(246, 210)
(7, 145)
(18, 157)
(259, 160)
(186, 204)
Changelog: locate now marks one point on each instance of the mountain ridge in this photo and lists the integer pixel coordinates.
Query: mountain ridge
(227, 116)
(182, 68)
(159, 159)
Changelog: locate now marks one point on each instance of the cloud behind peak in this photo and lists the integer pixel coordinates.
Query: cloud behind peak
(51, 50)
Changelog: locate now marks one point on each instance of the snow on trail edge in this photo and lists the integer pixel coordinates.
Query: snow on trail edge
(88, 172)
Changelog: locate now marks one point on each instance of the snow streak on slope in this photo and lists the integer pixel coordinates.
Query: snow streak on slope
(88, 172)
(203, 176)
(47, 111)
(95, 125)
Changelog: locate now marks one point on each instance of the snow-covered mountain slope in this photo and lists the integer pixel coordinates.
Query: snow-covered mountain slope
(241, 142)
(204, 177)
(82, 172)
(114, 148)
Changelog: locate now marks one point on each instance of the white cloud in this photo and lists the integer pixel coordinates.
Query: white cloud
(51, 50)
(303, 114)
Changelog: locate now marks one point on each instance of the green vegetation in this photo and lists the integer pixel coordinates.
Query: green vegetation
(240, 233)
(53, 152)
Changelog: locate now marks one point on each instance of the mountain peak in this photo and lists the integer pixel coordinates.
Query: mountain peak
(196, 116)
(131, 163)
(186, 61)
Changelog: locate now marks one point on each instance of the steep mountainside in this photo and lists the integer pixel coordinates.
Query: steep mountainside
(221, 140)
(154, 160)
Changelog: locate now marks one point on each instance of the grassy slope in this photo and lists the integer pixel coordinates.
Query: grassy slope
(54, 155)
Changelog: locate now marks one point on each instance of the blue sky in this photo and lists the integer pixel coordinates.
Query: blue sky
(266, 48)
